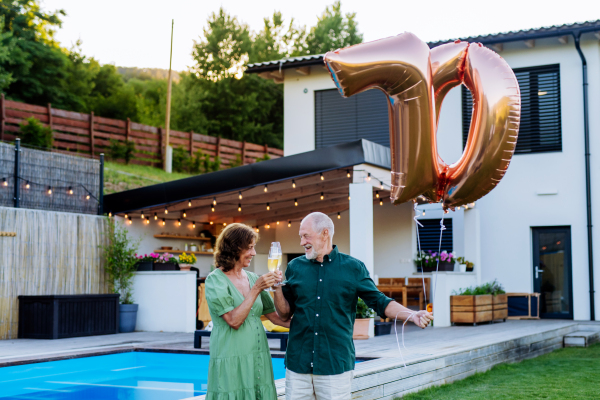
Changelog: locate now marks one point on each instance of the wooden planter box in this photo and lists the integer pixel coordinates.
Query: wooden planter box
(471, 309)
(64, 316)
(499, 307)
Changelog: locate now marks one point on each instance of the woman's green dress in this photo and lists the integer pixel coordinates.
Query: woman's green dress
(240, 361)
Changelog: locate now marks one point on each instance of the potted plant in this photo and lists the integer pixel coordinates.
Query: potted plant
(186, 261)
(166, 262)
(145, 262)
(120, 266)
(428, 261)
(464, 265)
(363, 317)
(484, 303)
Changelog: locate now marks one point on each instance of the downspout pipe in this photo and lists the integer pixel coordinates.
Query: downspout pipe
(588, 186)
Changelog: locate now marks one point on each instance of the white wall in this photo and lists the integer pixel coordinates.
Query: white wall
(509, 211)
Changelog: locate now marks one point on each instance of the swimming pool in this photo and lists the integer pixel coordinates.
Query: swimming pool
(123, 376)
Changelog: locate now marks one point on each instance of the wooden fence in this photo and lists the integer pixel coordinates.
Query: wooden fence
(48, 253)
(88, 134)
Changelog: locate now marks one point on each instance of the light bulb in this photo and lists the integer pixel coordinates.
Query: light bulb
(257, 230)
(296, 202)
(212, 208)
(166, 211)
(86, 197)
(348, 173)
(211, 222)
(184, 214)
(423, 212)
(293, 184)
(267, 226)
(163, 222)
(240, 195)
(193, 224)
(49, 189)
(155, 216)
(239, 207)
(322, 196)
(266, 189)
(70, 190)
(458, 208)
(126, 216)
(4, 182)
(380, 185)
(27, 185)
(277, 222)
(147, 221)
(376, 194)
(109, 214)
(142, 216)
(130, 221)
(322, 177)
(348, 198)
(214, 201)
(268, 207)
(289, 224)
(380, 202)
(189, 203)
(178, 222)
(224, 223)
(369, 177)
(339, 216)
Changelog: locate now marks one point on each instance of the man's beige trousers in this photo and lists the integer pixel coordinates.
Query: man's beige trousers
(318, 387)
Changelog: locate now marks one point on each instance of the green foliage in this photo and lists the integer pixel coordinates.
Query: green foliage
(265, 157)
(333, 31)
(121, 150)
(363, 310)
(569, 373)
(120, 260)
(35, 134)
(200, 163)
(493, 288)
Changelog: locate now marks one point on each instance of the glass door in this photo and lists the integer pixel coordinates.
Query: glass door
(552, 272)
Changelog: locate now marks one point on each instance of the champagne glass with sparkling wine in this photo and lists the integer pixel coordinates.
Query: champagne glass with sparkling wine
(274, 260)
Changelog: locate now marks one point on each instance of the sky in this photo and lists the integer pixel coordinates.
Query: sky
(136, 33)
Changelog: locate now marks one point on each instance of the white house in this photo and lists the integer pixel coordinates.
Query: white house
(531, 232)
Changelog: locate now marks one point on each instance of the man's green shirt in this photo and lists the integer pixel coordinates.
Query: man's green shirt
(322, 298)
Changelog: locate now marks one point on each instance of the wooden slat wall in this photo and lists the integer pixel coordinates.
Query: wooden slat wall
(88, 134)
(52, 253)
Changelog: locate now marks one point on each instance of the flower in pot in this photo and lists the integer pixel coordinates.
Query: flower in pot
(145, 262)
(363, 317)
(166, 262)
(464, 265)
(120, 265)
(429, 261)
(186, 261)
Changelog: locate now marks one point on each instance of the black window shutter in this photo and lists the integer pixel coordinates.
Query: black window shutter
(429, 235)
(540, 127)
(340, 120)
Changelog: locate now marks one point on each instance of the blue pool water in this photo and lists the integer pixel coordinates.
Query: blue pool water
(125, 376)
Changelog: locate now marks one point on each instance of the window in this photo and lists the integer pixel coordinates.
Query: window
(429, 235)
(340, 120)
(540, 128)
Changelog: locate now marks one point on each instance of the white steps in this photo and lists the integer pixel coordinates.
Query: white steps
(581, 338)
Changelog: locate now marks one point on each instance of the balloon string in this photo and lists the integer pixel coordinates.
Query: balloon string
(419, 245)
(396, 331)
(442, 229)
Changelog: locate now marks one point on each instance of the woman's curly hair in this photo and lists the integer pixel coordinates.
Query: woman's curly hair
(232, 241)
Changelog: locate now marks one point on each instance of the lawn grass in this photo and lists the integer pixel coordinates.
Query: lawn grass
(120, 177)
(570, 373)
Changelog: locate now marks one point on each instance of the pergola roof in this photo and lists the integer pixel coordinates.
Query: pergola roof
(322, 172)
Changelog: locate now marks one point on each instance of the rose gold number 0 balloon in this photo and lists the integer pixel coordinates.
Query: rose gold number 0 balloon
(416, 80)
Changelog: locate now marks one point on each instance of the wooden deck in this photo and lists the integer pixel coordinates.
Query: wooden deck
(433, 356)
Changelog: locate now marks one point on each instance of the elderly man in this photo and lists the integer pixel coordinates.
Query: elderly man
(321, 291)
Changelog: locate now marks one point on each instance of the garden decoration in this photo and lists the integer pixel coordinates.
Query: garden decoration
(415, 80)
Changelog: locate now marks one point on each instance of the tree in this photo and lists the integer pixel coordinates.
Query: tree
(6, 44)
(277, 40)
(333, 31)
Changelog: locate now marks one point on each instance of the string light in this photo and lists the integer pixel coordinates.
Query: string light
(163, 222)
(348, 197)
(458, 208)
(4, 182)
(109, 214)
(178, 222)
(49, 189)
(267, 226)
(277, 222)
(348, 173)
(293, 184)
(466, 206)
(189, 203)
(423, 212)
(296, 202)
(239, 207)
(376, 194)
(322, 177)
(266, 188)
(155, 216)
(289, 224)
(126, 216)
(130, 221)
(339, 216)
(472, 205)
(70, 190)
(322, 196)
(193, 224)
(147, 221)
(268, 207)
(380, 185)
(240, 195)
(87, 197)
(211, 222)
(380, 202)
(369, 177)
(224, 223)
(142, 215)
(257, 230)
(184, 214)
(214, 201)
(27, 185)
(212, 208)
(166, 211)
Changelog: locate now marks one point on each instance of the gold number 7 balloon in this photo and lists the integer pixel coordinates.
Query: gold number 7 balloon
(416, 80)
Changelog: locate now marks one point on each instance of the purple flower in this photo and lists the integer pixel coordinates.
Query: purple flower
(426, 261)
(434, 254)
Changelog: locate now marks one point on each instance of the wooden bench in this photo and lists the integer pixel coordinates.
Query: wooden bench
(282, 336)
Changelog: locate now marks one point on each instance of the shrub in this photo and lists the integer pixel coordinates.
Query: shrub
(363, 310)
(121, 151)
(181, 160)
(493, 288)
(266, 157)
(35, 134)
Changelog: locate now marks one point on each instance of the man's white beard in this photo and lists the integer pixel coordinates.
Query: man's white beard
(312, 254)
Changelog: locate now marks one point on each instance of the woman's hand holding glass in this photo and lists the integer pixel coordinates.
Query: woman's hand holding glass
(264, 282)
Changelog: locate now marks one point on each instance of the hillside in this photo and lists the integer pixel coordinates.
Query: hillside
(120, 177)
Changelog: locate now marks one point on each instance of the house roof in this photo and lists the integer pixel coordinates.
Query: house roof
(527, 34)
(250, 178)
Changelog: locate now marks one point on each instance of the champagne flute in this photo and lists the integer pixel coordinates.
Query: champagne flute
(273, 261)
(280, 254)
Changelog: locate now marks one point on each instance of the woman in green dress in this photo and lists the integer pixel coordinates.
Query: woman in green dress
(240, 361)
